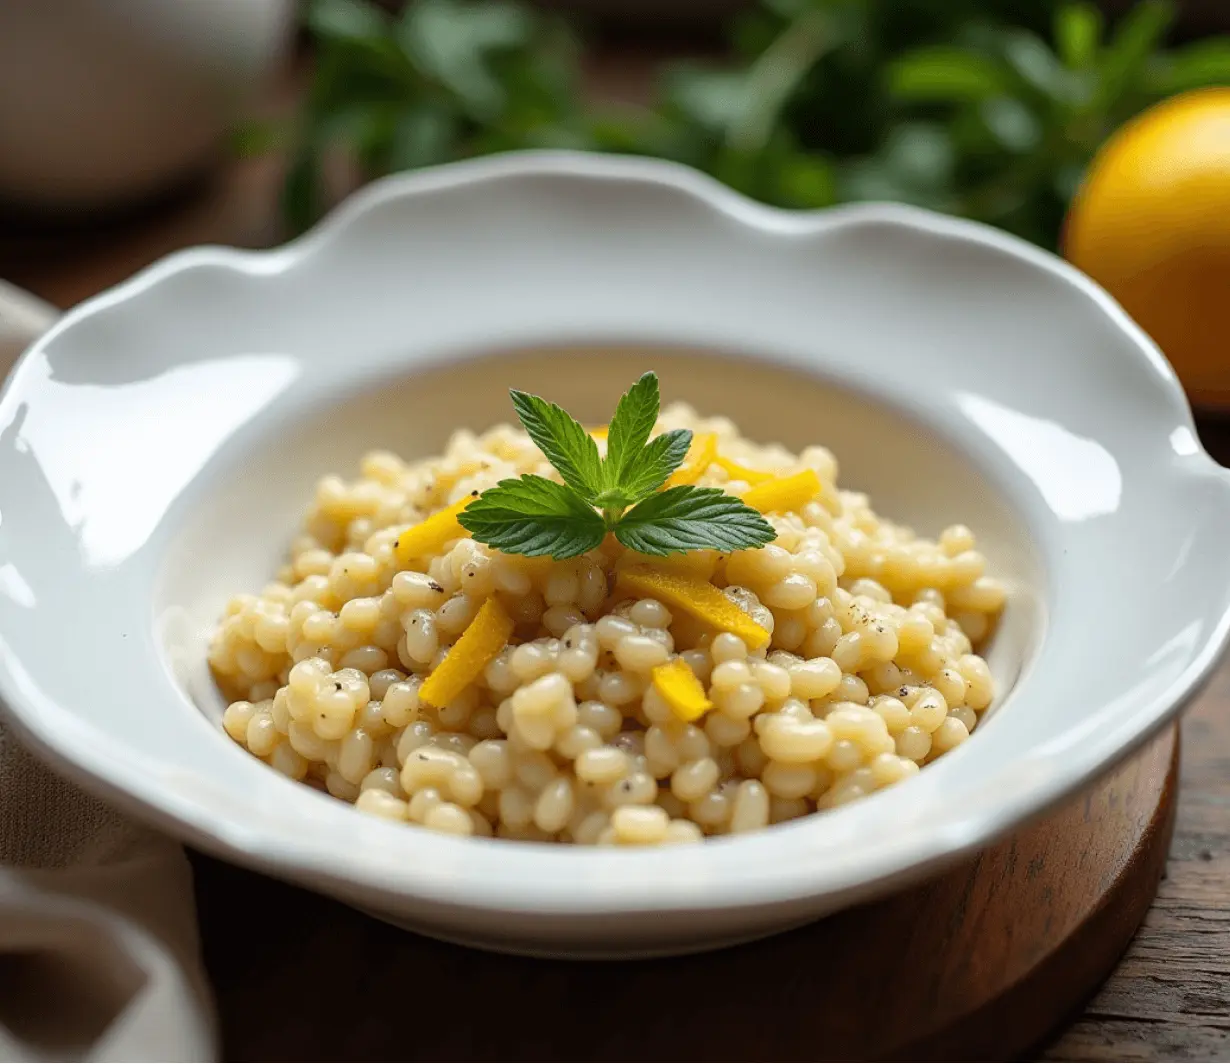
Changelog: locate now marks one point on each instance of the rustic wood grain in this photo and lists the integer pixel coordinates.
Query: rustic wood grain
(979, 963)
(1168, 1000)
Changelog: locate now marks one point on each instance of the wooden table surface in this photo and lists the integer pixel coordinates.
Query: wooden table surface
(1170, 997)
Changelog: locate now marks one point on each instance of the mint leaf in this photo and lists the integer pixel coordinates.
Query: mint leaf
(629, 430)
(689, 518)
(648, 471)
(534, 516)
(565, 442)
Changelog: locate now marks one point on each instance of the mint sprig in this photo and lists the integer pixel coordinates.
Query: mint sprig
(533, 516)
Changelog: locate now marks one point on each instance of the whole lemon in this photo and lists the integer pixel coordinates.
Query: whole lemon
(1151, 224)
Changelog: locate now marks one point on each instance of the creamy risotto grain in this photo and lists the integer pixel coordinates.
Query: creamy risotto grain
(567, 734)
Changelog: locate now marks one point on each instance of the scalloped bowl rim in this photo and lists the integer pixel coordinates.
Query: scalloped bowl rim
(643, 880)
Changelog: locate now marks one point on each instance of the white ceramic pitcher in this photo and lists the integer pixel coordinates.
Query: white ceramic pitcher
(106, 101)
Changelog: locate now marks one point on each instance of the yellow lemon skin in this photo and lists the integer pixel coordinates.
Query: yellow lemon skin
(1151, 224)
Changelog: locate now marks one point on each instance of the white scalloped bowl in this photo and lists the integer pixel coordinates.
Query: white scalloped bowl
(158, 444)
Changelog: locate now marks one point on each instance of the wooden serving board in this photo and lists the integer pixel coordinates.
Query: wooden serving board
(980, 963)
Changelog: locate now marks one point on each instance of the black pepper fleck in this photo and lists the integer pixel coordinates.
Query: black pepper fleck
(336, 686)
(434, 586)
(474, 494)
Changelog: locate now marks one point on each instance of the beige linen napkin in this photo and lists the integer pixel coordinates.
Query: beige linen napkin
(99, 959)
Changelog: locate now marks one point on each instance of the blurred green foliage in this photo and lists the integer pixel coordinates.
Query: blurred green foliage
(991, 109)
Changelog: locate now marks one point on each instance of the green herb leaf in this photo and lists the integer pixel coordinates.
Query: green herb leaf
(360, 35)
(648, 471)
(422, 135)
(776, 76)
(1078, 33)
(1012, 124)
(564, 441)
(534, 516)
(1141, 30)
(1195, 66)
(807, 181)
(711, 99)
(943, 74)
(808, 110)
(359, 127)
(920, 155)
(452, 41)
(350, 21)
(914, 165)
(1037, 65)
(689, 518)
(634, 419)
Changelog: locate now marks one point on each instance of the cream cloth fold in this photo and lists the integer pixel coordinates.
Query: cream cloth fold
(99, 957)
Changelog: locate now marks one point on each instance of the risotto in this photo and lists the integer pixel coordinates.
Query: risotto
(610, 698)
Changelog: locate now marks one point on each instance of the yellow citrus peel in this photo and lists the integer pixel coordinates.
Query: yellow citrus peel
(699, 458)
(742, 472)
(599, 433)
(677, 684)
(466, 659)
(782, 494)
(428, 537)
(697, 597)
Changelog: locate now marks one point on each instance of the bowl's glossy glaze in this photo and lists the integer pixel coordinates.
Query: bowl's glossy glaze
(158, 444)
